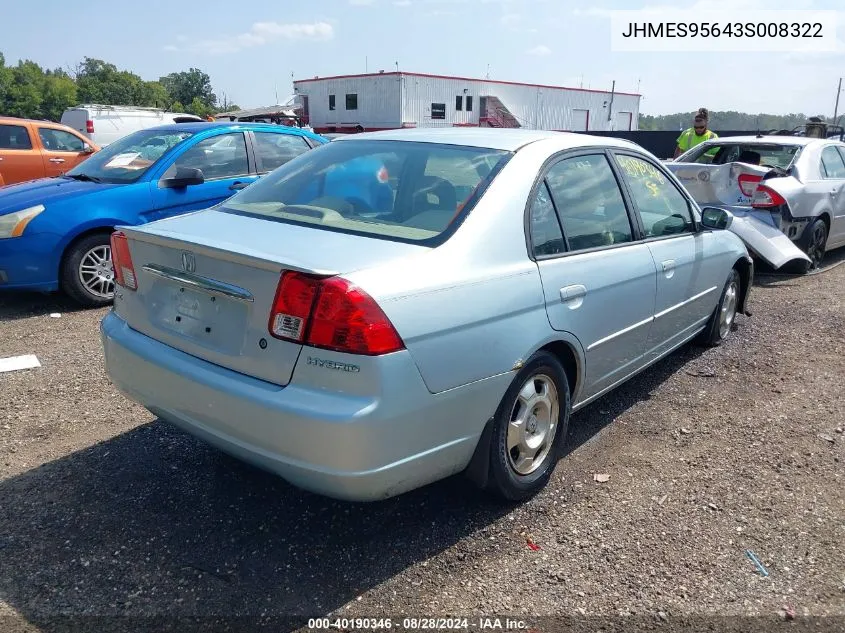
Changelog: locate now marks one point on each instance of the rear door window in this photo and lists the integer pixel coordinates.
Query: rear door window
(274, 150)
(14, 137)
(832, 165)
(589, 201)
(546, 235)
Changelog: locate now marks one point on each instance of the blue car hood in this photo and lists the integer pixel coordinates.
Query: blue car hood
(46, 191)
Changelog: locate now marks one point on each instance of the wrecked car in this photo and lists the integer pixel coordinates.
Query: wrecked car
(786, 193)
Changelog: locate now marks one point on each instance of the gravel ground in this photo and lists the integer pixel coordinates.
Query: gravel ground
(106, 512)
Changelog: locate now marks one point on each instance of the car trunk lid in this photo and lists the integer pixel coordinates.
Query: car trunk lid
(207, 281)
(729, 184)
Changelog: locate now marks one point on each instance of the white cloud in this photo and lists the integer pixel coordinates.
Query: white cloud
(402, 3)
(259, 34)
(540, 51)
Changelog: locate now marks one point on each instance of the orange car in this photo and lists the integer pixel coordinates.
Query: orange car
(37, 149)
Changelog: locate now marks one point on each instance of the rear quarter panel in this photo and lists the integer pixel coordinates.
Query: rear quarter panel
(807, 193)
(474, 307)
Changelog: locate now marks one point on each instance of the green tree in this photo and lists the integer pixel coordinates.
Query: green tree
(199, 108)
(58, 93)
(185, 86)
(176, 106)
(24, 93)
(101, 82)
(5, 82)
(726, 120)
(152, 94)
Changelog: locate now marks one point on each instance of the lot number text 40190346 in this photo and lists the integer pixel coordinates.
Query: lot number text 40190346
(417, 624)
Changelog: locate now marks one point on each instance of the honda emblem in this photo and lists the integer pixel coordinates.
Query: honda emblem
(189, 262)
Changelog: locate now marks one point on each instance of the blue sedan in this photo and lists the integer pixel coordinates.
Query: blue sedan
(54, 232)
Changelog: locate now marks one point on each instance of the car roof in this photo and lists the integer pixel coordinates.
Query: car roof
(767, 139)
(14, 120)
(204, 126)
(507, 139)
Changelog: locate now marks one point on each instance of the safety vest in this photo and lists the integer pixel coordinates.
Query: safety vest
(690, 139)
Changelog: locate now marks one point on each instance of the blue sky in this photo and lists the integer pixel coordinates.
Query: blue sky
(251, 50)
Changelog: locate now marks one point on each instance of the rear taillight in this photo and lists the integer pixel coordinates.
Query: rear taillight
(331, 313)
(124, 271)
(748, 183)
(765, 197)
(292, 306)
(89, 126)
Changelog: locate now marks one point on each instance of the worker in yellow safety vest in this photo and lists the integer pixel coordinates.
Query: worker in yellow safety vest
(698, 133)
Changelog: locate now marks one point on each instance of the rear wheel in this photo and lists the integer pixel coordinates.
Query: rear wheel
(813, 242)
(722, 320)
(87, 272)
(529, 428)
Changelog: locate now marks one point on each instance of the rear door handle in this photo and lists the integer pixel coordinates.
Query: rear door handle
(57, 160)
(573, 294)
(235, 186)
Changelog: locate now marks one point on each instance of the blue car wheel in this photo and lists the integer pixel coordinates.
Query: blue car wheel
(87, 272)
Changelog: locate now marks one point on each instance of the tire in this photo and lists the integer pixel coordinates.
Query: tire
(813, 242)
(94, 253)
(724, 316)
(513, 476)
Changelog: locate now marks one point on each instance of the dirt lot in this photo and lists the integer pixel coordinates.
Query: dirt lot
(105, 512)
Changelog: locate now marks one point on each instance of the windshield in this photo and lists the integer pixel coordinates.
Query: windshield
(399, 190)
(764, 154)
(128, 158)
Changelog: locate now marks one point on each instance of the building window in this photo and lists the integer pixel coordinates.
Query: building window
(438, 110)
(459, 103)
(352, 102)
(331, 102)
(469, 103)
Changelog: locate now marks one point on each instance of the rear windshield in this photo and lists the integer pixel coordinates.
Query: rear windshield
(393, 189)
(128, 158)
(766, 155)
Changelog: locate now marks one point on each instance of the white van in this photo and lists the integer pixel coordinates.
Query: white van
(104, 124)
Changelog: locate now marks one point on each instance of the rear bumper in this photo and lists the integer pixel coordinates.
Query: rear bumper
(28, 263)
(343, 446)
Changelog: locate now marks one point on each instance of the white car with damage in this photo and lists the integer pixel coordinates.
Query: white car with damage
(786, 193)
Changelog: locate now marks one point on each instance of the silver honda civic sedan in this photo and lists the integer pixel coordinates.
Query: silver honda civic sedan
(397, 307)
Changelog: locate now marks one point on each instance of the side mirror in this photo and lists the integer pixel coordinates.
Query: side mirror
(87, 149)
(716, 218)
(185, 177)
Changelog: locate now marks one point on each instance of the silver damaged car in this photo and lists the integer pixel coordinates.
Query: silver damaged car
(397, 307)
(786, 193)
